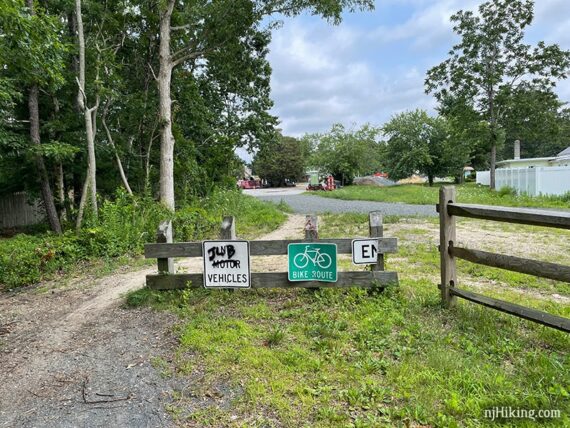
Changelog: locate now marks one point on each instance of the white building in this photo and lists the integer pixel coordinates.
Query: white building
(533, 176)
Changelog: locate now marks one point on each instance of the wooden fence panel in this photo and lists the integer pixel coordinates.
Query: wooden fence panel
(16, 211)
(165, 250)
(448, 209)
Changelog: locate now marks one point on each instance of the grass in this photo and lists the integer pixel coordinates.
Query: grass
(467, 193)
(348, 358)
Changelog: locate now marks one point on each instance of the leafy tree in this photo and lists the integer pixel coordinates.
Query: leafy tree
(534, 117)
(33, 56)
(492, 59)
(419, 143)
(469, 134)
(202, 81)
(280, 159)
(345, 154)
(192, 34)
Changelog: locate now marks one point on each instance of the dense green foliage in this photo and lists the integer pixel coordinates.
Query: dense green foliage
(219, 90)
(281, 159)
(124, 225)
(345, 153)
(421, 144)
(538, 119)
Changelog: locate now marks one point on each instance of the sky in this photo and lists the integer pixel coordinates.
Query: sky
(373, 64)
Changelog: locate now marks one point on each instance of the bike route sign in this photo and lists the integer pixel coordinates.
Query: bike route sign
(310, 261)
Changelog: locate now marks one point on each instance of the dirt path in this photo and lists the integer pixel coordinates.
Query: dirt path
(75, 357)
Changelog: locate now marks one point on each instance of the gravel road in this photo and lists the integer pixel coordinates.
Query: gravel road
(309, 204)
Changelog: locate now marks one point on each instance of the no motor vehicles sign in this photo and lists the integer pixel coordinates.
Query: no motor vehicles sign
(226, 264)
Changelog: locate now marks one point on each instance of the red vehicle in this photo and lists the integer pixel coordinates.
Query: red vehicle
(249, 184)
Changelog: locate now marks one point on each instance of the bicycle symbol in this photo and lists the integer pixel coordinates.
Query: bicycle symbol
(301, 260)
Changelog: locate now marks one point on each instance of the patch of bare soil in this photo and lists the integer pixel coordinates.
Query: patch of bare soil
(540, 244)
(75, 357)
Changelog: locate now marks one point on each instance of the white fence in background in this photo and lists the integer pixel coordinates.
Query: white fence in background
(483, 178)
(545, 180)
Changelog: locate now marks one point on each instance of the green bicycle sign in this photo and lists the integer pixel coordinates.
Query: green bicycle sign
(312, 262)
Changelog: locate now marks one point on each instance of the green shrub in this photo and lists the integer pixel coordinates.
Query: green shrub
(192, 224)
(507, 191)
(125, 224)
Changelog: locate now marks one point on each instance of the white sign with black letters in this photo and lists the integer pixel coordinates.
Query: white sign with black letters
(226, 264)
(364, 251)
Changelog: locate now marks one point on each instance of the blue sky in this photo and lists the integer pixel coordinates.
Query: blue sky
(373, 64)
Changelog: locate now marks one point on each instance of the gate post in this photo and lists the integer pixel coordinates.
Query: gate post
(228, 230)
(164, 235)
(376, 228)
(311, 228)
(447, 236)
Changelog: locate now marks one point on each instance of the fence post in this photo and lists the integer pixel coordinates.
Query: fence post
(164, 235)
(311, 234)
(376, 228)
(447, 236)
(228, 230)
(311, 228)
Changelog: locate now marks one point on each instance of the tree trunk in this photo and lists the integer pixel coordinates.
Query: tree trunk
(90, 115)
(34, 110)
(90, 130)
(430, 180)
(60, 188)
(493, 121)
(82, 203)
(165, 111)
(47, 195)
(493, 162)
(117, 157)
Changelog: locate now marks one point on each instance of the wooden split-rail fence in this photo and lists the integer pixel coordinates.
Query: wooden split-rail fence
(449, 209)
(165, 250)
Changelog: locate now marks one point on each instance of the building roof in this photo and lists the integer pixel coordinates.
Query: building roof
(564, 154)
(525, 160)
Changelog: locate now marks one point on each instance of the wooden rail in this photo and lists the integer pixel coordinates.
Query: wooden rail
(362, 279)
(530, 314)
(448, 209)
(516, 264)
(257, 248)
(533, 217)
(165, 250)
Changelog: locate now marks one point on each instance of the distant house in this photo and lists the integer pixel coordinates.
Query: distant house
(561, 159)
(533, 176)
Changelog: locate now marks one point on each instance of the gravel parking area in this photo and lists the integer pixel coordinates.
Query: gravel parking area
(312, 204)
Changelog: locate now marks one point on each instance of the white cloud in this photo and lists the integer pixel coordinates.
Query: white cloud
(324, 74)
(427, 27)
